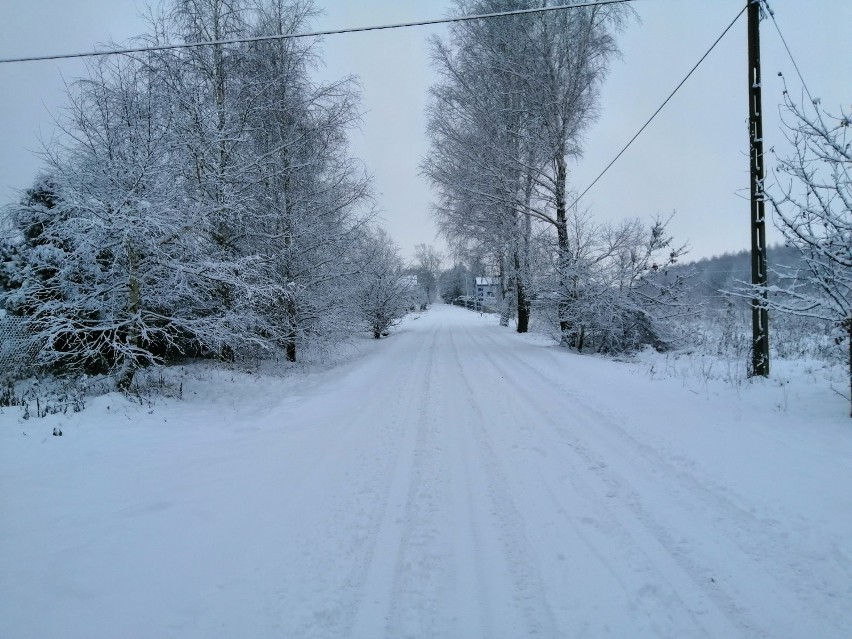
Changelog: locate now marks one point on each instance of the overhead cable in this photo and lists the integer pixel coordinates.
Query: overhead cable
(789, 53)
(660, 108)
(312, 34)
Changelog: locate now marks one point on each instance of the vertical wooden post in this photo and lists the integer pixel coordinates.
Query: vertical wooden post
(760, 316)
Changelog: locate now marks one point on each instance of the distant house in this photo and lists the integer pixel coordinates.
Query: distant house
(486, 291)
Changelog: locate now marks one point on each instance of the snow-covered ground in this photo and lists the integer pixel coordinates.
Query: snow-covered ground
(457, 480)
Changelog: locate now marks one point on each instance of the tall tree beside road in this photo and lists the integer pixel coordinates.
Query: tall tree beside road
(514, 98)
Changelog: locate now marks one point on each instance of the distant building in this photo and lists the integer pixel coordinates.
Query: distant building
(486, 291)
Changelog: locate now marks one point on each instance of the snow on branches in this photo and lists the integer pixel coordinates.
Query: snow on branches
(812, 203)
(198, 201)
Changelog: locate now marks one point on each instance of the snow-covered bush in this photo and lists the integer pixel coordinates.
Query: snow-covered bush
(812, 202)
(612, 292)
(385, 291)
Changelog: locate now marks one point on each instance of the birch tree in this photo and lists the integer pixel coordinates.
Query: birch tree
(515, 98)
(479, 129)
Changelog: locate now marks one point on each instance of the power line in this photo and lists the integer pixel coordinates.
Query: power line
(660, 108)
(789, 53)
(287, 36)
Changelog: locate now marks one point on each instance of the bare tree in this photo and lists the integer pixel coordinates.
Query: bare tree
(429, 261)
(310, 197)
(385, 291)
(481, 129)
(812, 201)
(514, 99)
(614, 290)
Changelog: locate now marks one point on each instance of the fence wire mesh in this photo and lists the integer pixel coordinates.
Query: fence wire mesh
(17, 349)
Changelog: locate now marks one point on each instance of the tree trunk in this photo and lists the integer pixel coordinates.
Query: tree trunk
(505, 295)
(523, 309)
(133, 305)
(522, 263)
(523, 302)
(290, 340)
(566, 330)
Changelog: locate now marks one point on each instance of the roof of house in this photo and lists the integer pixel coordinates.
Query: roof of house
(486, 281)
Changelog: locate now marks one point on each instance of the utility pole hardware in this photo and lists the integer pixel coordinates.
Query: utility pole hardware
(759, 314)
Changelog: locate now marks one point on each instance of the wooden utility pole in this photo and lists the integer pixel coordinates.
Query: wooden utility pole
(759, 314)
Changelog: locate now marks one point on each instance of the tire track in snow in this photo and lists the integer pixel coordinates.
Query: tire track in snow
(317, 511)
(761, 545)
(437, 542)
(386, 528)
(401, 538)
(302, 527)
(676, 489)
(421, 564)
(796, 585)
(530, 594)
(377, 458)
(597, 527)
(471, 516)
(404, 585)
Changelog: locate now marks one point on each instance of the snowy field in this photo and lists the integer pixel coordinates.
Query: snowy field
(454, 480)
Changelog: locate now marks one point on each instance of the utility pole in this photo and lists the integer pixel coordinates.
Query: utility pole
(759, 314)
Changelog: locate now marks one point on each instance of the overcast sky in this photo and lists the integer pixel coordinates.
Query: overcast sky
(692, 159)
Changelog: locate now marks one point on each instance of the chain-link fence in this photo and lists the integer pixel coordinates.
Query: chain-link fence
(17, 349)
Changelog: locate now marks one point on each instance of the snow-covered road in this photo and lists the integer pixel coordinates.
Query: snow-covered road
(458, 481)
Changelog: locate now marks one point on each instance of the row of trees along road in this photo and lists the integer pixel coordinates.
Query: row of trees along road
(198, 201)
(514, 99)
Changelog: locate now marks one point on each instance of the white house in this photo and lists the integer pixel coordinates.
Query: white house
(486, 291)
